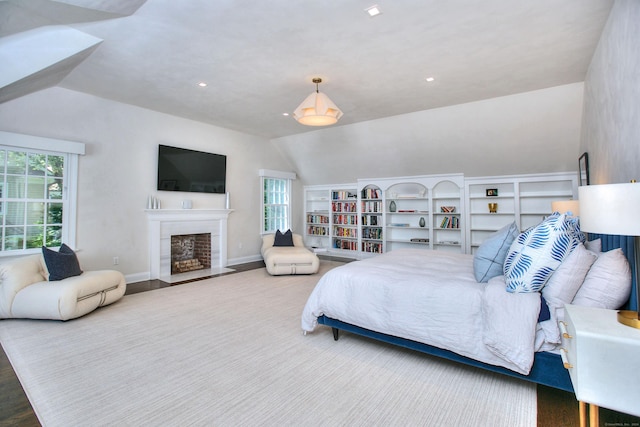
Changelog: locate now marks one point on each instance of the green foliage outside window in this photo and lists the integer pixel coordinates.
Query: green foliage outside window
(31, 199)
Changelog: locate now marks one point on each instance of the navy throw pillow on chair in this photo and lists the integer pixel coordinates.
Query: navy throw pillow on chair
(61, 264)
(283, 239)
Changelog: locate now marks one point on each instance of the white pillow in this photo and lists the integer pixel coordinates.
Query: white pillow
(608, 282)
(594, 245)
(567, 279)
(537, 252)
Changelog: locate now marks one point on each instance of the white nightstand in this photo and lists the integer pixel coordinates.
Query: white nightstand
(603, 359)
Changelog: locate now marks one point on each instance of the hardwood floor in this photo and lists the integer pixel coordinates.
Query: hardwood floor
(556, 408)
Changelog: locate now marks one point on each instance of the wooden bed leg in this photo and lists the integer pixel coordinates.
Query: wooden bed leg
(336, 333)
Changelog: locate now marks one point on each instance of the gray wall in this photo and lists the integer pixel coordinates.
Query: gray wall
(611, 120)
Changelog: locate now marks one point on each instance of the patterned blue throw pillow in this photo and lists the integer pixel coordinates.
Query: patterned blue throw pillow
(537, 252)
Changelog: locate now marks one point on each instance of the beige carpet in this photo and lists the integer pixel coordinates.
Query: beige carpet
(229, 352)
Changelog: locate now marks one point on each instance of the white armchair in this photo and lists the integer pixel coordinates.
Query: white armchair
(281, 260)
(25, 291)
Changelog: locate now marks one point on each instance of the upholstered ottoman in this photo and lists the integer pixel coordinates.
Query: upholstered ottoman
(281, 260)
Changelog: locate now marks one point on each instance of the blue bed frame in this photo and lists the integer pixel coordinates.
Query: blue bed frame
(547, 368)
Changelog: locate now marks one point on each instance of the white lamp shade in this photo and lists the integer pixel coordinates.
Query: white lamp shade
(564, 206)
(610, 209)
(317, 110)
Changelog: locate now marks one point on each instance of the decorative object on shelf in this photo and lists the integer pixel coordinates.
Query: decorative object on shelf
(492, 192)
(153, 203)
(187, 204)
(583, 169)
(392, 206)
(317, 109)
(566, 206)
(493, 208)
(422, 222)
(226, 201)
(613, 209)
(447, 209)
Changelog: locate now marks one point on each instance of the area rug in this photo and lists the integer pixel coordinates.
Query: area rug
(229, 351)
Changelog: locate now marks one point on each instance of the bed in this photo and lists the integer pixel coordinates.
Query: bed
(431, 301)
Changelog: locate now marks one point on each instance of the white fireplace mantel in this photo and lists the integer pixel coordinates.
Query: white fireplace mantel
(163, 223)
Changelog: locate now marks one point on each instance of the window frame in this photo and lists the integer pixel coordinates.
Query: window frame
(288, 177)
(70, 151)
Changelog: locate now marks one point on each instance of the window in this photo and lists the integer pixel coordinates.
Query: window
(37, 195)
(276, 200)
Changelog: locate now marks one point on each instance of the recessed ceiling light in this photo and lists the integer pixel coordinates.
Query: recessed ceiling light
(202, 84)
(430, 79)
(285, 114)
(373, 10)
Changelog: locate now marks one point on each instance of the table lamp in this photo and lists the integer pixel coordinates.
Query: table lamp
(614, 209)
(564, 206)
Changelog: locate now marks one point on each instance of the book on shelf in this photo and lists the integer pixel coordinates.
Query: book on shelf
(396, 224)
(419, 240)
(447, 209)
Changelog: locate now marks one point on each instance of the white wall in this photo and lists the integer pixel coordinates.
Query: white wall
(525, 133)
(118, 172)
(611, 122)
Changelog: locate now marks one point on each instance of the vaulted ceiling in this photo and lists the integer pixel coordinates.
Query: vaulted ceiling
(258, 57)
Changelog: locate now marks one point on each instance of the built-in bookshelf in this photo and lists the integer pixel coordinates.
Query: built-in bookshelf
(443, 212)
(494, 202)
(317, 217)
(371, 220)
(344, 219)
(407, 215)
(447, 200)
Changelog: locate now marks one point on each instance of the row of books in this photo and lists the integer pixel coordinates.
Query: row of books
(372, 247)
(448, 209)
(350, 245)
(345, 219)
(314, 230)
(450, 222)
(317, 219)
(370, 206)
(371, 193)
(372, 233)
(344, 207)
(343, 195)
(369, 219)
(345, 232)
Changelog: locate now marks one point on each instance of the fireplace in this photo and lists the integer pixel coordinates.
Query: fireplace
(190, 252)
(164, 224)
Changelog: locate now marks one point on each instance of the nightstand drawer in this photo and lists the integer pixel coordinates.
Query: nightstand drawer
(603, 355)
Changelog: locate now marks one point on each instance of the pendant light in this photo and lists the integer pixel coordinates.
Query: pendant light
(317, 109)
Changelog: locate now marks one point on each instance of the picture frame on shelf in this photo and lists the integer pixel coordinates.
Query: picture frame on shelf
(492, 192)
(583, 169)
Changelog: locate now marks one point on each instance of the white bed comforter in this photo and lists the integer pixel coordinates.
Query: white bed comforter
(431, 297)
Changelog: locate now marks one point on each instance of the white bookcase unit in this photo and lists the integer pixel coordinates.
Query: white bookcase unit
(525, 199)
(317, 205)
(344, 220)
(444, 212)
(371, 220)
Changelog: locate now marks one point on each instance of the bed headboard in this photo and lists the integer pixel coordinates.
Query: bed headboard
(626, 243)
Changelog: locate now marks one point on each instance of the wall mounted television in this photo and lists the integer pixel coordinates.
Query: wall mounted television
(181, 169)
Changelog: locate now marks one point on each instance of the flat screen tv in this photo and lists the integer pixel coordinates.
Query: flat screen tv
(180, 169)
